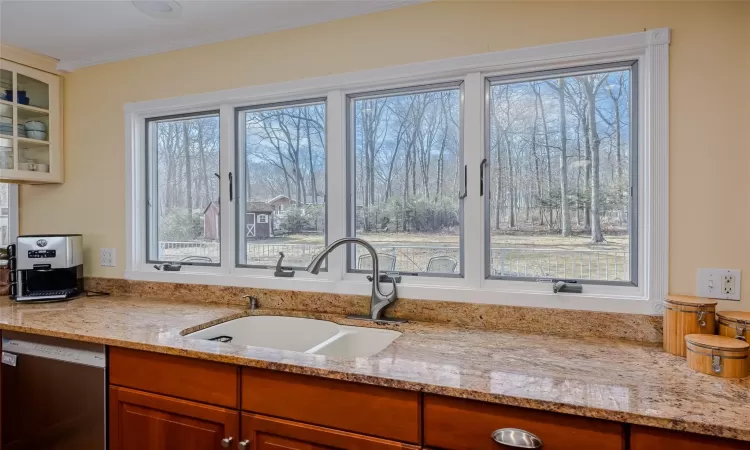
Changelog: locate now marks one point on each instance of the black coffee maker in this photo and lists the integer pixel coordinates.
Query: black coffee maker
(46, 267)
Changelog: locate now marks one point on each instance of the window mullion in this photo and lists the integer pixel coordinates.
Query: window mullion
(473, 148)
(336, 176)
(227, 219)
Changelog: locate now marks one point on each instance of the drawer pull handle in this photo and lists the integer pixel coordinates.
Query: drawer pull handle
(226, 442)
(244, 445)
(515, 438)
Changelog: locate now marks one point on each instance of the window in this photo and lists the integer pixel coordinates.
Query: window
(183, 189)
(562, 176)
(282, 167)
(8, 213)
(472, 177)
(406, 172)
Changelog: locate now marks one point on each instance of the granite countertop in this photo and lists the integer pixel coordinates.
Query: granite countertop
(594, 377)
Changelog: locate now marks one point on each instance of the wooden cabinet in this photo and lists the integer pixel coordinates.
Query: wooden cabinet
(192, 379)
(458, 424)
(646, 438)
(144, 421)
(360, 408)
(30, 125)
(269, 433)
(163, 402)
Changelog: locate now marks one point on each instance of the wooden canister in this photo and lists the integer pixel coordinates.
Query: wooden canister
(685, 315)
(734, 324)
(719, 356)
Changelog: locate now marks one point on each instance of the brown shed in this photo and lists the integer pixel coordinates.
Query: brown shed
(258, 220)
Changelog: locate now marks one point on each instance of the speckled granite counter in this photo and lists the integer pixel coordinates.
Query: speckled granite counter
(593, 377)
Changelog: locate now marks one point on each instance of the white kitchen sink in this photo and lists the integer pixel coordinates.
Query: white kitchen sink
(352, 342)
(298, 334)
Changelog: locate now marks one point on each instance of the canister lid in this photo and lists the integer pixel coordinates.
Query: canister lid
(735, 316)
(716, 342)
(689, 300)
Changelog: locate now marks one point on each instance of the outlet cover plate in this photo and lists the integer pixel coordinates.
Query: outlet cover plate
(711, 283)
(107, 257)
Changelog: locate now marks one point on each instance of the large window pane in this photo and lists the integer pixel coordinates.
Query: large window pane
(284, 184)
(183, 159)
(407, 155)
(560, 167)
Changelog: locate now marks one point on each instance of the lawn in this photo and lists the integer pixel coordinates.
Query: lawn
(528, 254)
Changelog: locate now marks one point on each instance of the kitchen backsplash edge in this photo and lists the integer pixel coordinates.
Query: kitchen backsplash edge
(562, 322)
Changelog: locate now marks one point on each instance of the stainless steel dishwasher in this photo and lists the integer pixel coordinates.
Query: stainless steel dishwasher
(53, 393)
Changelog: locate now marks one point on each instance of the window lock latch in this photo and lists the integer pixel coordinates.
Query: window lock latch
(559, 286)
(281, 271)
(168, 267)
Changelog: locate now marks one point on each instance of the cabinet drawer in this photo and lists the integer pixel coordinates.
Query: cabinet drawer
(272, 433)
(646, 438)
(176, 376)
(459, 424)
(376, 411)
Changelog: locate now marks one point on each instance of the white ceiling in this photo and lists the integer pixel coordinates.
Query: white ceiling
(84, 33)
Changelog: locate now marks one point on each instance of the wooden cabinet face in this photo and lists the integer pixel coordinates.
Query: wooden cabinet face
(143, 421)
(270, 433)
(457, 424)
(270, 442)
(646, 438)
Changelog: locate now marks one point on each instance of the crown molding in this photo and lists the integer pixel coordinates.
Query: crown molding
(31, 59)
(70, 65)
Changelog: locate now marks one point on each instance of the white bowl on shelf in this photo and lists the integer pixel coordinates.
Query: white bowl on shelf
(38, 135)
(35, 125)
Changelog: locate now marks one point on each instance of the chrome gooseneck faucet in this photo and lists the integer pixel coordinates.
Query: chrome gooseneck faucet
(379, 300)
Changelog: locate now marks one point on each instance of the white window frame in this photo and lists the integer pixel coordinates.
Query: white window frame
(649, 48)
(12, 212)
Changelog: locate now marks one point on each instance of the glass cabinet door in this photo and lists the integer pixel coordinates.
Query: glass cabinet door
(29, 113)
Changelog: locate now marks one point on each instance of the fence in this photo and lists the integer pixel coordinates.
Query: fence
(520, 262)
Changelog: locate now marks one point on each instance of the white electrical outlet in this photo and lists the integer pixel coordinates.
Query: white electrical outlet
(723, 284)
(107, 257)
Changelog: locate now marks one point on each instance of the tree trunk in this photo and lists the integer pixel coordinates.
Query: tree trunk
(565, 207)
(587, 171)
(313, 184)
(188, 174)
(537, 177)
(499, 184)
(550, 221)
(204, 170)
(596, 225)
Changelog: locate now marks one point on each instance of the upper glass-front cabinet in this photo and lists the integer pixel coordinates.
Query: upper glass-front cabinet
(30, 112)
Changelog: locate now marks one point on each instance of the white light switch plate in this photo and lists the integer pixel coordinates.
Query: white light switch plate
(107, 257)
(723, 284)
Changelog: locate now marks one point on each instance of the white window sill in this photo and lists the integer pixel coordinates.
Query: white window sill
(631, 302)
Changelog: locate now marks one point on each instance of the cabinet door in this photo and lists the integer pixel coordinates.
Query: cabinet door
(144, 421)
(646, 438)
(30, 125)
(269, 433)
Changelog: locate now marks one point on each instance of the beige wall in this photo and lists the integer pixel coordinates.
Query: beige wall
(710, 69)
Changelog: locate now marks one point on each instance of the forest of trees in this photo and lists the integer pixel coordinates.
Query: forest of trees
(559, 160)
(407, 156)
(285, 154)
(559, 154)
(188, 167)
